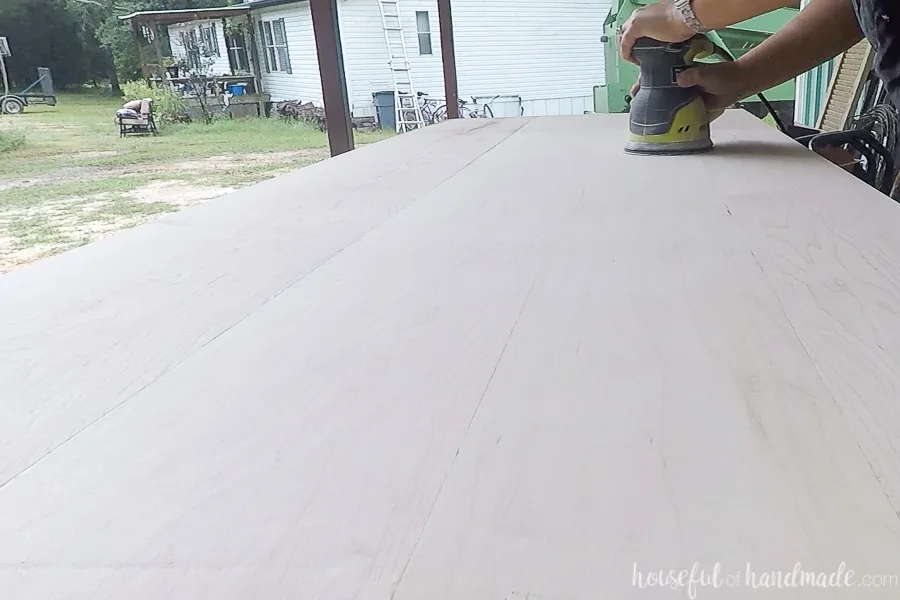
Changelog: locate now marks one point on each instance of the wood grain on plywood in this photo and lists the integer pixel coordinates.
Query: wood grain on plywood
(540, 363)
(83, 333)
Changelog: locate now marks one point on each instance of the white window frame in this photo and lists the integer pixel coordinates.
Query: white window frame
(237, 52)
(426, 45)
(276, 53)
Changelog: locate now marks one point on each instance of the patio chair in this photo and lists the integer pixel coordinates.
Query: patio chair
(136, 118)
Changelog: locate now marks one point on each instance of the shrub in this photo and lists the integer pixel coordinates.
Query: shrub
(167, 105)
(10, 140)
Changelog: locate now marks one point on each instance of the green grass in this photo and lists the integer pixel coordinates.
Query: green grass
(81, 126)
(66, 167)
(25, 197)
(34, 230)
(10, 141)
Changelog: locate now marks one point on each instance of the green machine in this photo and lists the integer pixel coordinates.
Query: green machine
(614, 96)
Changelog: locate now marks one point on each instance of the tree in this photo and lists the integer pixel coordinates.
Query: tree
(45, 33)
(92, 15)
(80, 40)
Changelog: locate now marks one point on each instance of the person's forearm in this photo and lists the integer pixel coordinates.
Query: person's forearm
(716, 14)
(817, 34)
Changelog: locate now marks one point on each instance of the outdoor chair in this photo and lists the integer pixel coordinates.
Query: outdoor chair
(136, 117)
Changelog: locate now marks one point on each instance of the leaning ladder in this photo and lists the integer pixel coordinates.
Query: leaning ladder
(408, 112)
(845, 88)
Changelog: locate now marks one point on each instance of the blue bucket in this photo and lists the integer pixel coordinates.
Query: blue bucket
(237, 89)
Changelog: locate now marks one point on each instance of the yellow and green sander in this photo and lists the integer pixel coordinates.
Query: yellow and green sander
(665, 118)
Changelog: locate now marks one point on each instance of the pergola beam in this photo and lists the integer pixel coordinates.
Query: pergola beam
(173, 17)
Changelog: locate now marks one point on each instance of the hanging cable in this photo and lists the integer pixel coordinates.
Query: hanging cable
(883, 122)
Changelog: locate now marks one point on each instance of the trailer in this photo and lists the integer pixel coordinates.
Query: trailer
(41, 91)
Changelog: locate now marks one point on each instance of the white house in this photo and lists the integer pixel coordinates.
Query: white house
(536, 57)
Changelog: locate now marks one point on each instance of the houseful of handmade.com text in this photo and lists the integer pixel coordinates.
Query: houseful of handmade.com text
(696, 578)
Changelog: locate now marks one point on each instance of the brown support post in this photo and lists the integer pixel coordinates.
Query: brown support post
(136, 32)
(331, 72)
(255, 65)
(448, 56)
(159, 56)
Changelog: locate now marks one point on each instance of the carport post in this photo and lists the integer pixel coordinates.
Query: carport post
(331, 72)
(448, 57)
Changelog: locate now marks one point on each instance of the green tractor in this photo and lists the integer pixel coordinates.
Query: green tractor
(614, 96)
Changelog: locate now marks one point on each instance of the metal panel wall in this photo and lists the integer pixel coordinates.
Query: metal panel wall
(812, 91)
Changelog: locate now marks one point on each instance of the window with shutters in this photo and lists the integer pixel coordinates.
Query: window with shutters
(191, 48)
(198, 44)
(273, 38)
(210, 40)
(423, 29)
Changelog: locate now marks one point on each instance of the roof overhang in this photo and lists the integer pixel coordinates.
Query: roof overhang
(269, 3)
(172, 17)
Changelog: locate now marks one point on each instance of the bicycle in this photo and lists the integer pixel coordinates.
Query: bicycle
(485, 112)
(466, 111)
(430, 109)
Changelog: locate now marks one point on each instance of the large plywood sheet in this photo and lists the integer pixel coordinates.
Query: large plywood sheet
(490, 360)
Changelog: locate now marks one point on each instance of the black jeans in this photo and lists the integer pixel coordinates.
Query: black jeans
(880, 23)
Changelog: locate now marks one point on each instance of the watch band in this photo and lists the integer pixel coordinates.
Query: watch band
(686, 11)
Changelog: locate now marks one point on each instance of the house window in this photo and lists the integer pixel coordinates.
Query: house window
(210, 40)
(191, 49)
(237, 52)
(199, 45)
(423, 28)
(273, 37)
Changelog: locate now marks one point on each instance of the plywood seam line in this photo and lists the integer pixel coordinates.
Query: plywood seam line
(825, 384)
(125, 400)
(465, 434)
(272, 297)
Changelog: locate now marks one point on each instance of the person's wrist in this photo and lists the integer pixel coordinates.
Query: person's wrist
(677, 20)
(749, 77)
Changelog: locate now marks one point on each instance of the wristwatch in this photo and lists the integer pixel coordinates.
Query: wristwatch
(686, 11)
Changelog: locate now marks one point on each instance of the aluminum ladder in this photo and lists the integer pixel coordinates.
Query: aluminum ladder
(407, 112)
(845, 88)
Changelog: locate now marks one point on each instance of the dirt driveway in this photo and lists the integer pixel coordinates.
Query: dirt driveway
(96, 201)
(73, 180)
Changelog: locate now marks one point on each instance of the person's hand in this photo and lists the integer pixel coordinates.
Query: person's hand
(659, 21)
(723, 84)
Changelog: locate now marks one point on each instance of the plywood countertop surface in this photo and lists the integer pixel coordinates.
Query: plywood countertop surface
(492, 360)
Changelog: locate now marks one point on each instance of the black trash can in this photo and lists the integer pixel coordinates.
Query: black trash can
(386, 110)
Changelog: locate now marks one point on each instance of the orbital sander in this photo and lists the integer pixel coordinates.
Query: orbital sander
(665, 118)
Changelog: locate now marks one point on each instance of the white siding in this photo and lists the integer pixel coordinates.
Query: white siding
(366, 57)
(547, 53)
(221, 66)
(542, 59)
(303, 82)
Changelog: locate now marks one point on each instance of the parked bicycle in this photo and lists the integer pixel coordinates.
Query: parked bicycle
(430, 109)
(467, 110)
(482, 111)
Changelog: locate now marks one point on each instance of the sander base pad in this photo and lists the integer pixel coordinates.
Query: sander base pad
(669, 149)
